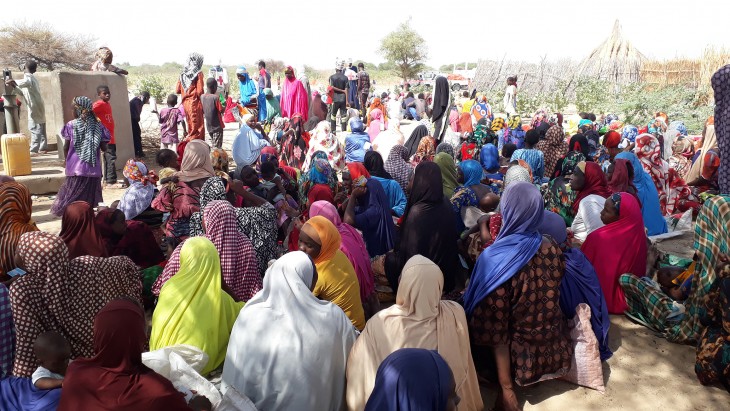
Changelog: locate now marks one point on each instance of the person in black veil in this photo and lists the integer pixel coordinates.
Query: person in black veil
(416, 135)
(441, 107)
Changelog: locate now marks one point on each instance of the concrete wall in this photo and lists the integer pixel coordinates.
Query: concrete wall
(59, 89)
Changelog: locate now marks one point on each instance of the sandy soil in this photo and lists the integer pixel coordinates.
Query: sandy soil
(646, 371)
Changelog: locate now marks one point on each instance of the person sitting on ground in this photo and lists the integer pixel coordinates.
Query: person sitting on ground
(414, 379)
(468, 194)
(167, 158)
(15, 220)
(508, 149)
(248, 142)
(419, 319)
(138, 197)
(53, 353)
(131, 238)
(398, 167)
(396, 197)
(713, 348)
(531, 155)
(80, 233)
(357, 143)
(318, 334)
(114, 374)
(590, 183)
(336, 281)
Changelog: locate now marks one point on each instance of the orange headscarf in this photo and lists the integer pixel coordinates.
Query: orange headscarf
(357, 170)
(377, 103)
(323, 232)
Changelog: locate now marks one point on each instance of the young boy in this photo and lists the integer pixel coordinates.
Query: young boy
(53, 353)
(103, 111)
(31, 92)
(170, 117)
(167, 158)
(213, 112)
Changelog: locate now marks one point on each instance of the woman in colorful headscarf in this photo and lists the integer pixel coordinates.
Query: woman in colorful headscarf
(489, 159)
(58, 294)
(682, 152)
(357, 142)
(85, 138)
(559, 197)
(183, 199)
(16, 209)
(629, 133)
(195, 292)
(419, 319)
(589, 181)
(553, 147)
(703, 174)
(377, 104)
(325, 141)
(294, 143)
(191, 86)
(674, 194)
(219, 160)
(375, 123)
(273, 108)
(398, 167)
(469, 191)
(317, 333)
(396, 196)
(138, 196)
(336, 279)
(611, 141)
(447, 148)
(80, 233)
(247, 87)
(579, 142)
(481, 109)
(425, 152)
(441, 107)
(521, 267)
(513, 133)
(131, 238)
(648, 196)
(104, 58)
(620, 176)
(368, 210)
(294, 98)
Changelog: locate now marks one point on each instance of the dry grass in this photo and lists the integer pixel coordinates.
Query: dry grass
(616, 60)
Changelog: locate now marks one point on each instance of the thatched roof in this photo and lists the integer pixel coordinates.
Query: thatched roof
(615, 60)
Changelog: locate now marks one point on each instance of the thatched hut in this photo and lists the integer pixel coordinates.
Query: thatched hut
(616, 60)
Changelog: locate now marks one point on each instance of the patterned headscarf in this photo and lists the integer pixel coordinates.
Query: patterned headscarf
(445, 148)
(219, 160)
(138, 196)
(630, 132)
(514, 122)
(570, 161)
(321, 171)
(553, 148)
(86, 129)
(679, 126)
(721, 87)
(497, 124)
(397, 166)
(191, 70)
(104, 53)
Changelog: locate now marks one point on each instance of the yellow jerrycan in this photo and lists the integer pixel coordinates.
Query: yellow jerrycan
(16, 154)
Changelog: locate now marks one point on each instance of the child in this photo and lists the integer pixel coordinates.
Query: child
(167, 158)
(103, 111)
(170, 117)
(53, 353)
(213, 112)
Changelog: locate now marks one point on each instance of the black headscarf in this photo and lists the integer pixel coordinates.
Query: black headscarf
(441, 98)
(415, 139)
(579, 143)
(374, 164)
(428, 228)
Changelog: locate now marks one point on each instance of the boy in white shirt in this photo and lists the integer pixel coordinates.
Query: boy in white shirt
(31, 92)
(53, 353)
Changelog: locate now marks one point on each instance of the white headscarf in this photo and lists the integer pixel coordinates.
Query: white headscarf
(288, 350)
(138, 196)
(191, 70)
(247, 145)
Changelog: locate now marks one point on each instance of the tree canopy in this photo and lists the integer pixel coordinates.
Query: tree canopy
(406, 50)
(52, 50)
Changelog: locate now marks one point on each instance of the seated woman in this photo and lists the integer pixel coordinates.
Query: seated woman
(425, 151)
(445, 162)
(80, 233)
(590, 183)
(559, 197)
(317, 333)
(467, 195)
(396, 197)
(713, 348)
(357, 143)
(184, 199)
(138, 196)
(248, 143)
(656, 308)
(620, 176)
(133, 239)
(353, 246)
(194, 293)
(80, 289)
(428, 229)
(414, 379)
(368, 210)
(648, 196)
(419, 319)
(336, 278)
(624, 230)
(239, 266)
(414, 140)
(489, 158)
(580, 283)
(257, 220)
(319, 175)
(704, 171)
(398, 167)
(114, 373)
(16, 209)
(324, 140)
(519, 268)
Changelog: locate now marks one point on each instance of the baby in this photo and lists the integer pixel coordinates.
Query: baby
(53, 353)
(489, 203)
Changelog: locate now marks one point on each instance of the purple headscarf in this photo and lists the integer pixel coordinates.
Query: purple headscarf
(516, 244)
(554, 226)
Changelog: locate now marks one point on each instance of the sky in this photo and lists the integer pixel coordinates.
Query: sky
(317, 32)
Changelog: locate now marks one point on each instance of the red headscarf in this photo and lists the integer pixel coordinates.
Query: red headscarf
(137, 243)
(620, 179)
(612, 139)
(595, 183)
(357, 170)
(79, 232)
(116, 375)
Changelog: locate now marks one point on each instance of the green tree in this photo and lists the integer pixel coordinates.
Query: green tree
(406, 50)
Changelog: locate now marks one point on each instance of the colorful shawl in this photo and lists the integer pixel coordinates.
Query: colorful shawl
(553, 147)
(15, 220)
(648, 197)
(721, 88)
(86, 129)
(325, 141)
(138, 196)
(191, 70)
(398, 167)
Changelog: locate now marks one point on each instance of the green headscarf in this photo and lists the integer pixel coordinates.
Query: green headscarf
(273, 109)
(448, 173)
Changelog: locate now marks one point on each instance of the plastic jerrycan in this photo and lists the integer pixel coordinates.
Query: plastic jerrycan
(16, 154)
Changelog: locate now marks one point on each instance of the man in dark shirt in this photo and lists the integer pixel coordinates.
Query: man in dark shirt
(340, 85)
(363, 88)
(135, 109)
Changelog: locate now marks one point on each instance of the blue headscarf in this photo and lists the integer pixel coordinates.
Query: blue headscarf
(516, 244)
(679, 126)
(357, 143)
(472, 172)
(630, 133)
(411, 379)
(320, 171)
(489, 157)
(247, 86)
(648, 195)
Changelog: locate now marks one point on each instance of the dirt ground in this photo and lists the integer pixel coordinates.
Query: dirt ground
(646, 371)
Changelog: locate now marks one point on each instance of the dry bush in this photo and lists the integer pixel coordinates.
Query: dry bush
(52, 50)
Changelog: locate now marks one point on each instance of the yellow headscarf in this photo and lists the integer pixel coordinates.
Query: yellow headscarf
(193, 309)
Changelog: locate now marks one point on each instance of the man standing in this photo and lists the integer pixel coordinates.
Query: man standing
(31, 92)
(339, 84)
(363, 88)
(264, 82)
(135, 109)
